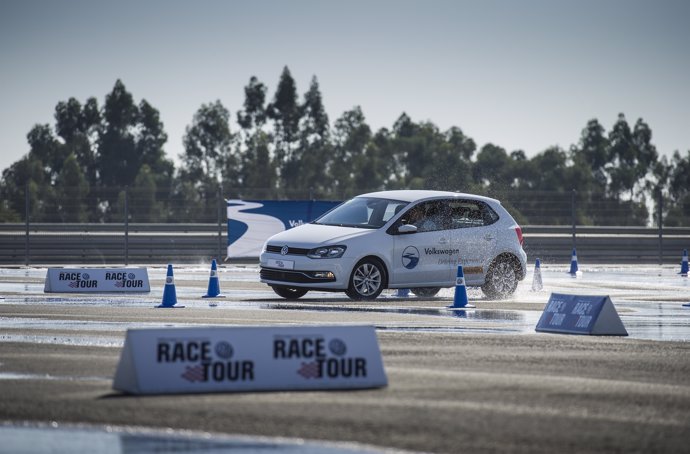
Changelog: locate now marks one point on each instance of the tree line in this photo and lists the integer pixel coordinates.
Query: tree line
(286, 147)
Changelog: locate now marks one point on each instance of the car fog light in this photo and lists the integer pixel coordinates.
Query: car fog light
(323, 275)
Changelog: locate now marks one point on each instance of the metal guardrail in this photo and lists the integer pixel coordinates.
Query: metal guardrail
(48, 243)
(38, 227)
(609, 244)
(606, 230)
(198, 243)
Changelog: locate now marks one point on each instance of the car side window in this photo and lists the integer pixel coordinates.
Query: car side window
(488, 214)
(427, 216)
(471, 213)
(392, 209)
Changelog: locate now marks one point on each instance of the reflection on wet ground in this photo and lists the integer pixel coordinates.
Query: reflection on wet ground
(649, 300)
(510, 321)
(478, 314)
(54, 439)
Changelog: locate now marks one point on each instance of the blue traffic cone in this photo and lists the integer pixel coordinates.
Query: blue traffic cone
(537, 284)
(169, 294)
(684, 264)
(213, 284)
(402, 293)
(460, 298)
(573, 264)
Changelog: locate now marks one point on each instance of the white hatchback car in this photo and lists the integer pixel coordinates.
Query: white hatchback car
(399, 239)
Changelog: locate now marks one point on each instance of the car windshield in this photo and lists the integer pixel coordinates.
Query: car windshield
(362, 212)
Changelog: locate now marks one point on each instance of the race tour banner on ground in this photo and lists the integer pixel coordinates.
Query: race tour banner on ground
(97, 280)
(262, 358)
(581, 314)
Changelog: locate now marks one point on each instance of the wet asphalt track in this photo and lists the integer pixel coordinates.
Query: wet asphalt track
(479, 380)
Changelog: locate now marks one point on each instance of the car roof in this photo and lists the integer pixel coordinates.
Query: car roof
(414, 195)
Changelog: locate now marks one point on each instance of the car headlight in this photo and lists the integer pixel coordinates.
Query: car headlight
(327, 252)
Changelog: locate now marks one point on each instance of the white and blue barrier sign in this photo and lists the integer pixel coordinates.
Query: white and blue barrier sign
(96, 280)
(251, 223)
(249, 358)
(577, 314)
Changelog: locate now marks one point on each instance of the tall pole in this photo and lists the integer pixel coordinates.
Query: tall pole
(220, 222)
(573, 211)
(661, 228)
(27, 201)
(126, 225)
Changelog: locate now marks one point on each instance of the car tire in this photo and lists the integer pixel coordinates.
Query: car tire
(290, 293)
(425, 292)
(501, 278)
(367, 280)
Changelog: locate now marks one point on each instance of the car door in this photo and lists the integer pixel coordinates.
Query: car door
(421, 258)
(473, 237)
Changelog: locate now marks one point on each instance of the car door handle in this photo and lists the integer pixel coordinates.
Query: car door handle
(489, 237)
(443, 241)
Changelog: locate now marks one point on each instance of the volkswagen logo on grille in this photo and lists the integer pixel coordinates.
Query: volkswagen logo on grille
(284, 250)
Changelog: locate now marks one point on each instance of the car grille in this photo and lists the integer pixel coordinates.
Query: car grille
(291, 250)
(297, 277)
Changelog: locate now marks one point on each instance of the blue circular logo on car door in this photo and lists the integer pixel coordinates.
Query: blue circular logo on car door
(410, 257)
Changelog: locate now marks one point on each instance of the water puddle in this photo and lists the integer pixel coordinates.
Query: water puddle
(63, 340)
(468, 320)
(188, 298)
(493, 315)
(54, 439)
(649, 301)
(453, 330)
(20, 376)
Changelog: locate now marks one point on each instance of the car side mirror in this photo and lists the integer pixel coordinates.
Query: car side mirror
(407, 228)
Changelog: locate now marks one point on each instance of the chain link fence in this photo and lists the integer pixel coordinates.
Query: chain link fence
(122, 225)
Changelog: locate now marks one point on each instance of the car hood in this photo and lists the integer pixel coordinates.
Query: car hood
(315, 235)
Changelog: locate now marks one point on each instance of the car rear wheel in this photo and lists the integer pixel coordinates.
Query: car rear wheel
(291, 293)
(367, 280)
(425, 292)
(501, 279)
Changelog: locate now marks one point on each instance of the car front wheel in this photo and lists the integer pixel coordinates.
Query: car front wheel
(291, 293)
(367, 280)
(501, 279)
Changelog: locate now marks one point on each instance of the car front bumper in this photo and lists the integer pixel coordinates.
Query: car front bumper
(301, 271)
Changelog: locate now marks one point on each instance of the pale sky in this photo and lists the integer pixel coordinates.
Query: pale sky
(523, 74)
